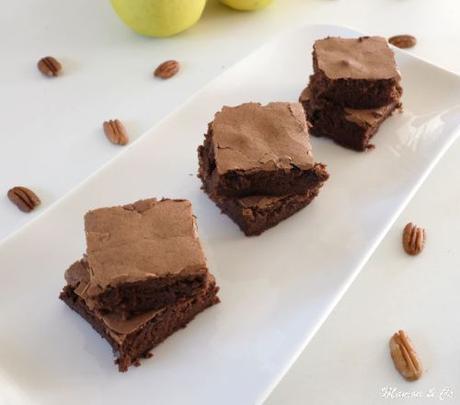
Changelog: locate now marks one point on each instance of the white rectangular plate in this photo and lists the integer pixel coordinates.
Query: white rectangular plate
(276, 289)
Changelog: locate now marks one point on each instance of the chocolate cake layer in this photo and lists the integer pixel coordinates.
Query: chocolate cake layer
(141, 256)
(255, 149)
(133, 339)
(358, 73)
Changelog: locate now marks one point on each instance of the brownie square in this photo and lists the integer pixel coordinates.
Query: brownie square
(254, 149)
(355, 72)
(132, 339)
(348, 127)
(142, 256)
(257, 213)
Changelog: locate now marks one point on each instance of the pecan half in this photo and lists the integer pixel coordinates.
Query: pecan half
(404, 356)
(167, 69)
(115, 132)
(49, 66)
(403, 41)
(25, 199)
(413, 239)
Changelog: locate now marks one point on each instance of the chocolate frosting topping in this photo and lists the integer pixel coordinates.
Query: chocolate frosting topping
(368, 117)
(356, 58)
(149, 238)
(252, 136)
(305, 95)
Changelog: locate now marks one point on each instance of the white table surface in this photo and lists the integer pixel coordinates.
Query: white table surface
(51, 141)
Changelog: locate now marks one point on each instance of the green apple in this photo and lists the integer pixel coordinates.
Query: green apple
(246, 5)
(159, 18)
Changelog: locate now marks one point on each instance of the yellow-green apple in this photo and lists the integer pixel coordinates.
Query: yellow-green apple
(246, 5)
(159, 18)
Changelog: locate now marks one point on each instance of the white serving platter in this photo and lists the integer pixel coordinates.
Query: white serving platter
(276, 289)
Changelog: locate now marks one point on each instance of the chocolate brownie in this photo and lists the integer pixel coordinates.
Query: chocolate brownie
(254, 149)
(257, 213)
(132, 339)
(348, 127)
(142, 256)
(355, 72)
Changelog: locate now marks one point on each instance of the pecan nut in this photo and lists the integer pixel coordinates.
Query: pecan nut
(25, 199)
(49, 66)
(405, 357)
(413, 239)
(115, 132)
(403, 41)
(167, 69)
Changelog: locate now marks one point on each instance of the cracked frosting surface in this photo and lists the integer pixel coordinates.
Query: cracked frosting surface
(147, 239)
(369, 117)
(356, 58)
(254, 137)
